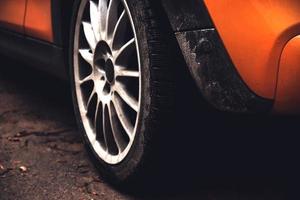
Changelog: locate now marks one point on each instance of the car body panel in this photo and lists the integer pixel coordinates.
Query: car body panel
(288, 96)
(12, 14)
(38, 20)
(255, 33)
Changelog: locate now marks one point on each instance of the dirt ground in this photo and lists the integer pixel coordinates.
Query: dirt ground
(42, 157)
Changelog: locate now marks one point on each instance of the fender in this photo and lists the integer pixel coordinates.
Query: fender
(208, 60)
(61, 21)
(12, 14)
(49, 20)
(187, 15)
(254, 33)
(38, 21)
(288, 86)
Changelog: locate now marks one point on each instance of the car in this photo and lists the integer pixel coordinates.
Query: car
(120, 57)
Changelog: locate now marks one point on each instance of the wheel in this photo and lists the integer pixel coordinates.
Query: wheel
(122, 83)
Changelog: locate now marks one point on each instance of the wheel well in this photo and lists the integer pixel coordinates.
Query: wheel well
(61, 21)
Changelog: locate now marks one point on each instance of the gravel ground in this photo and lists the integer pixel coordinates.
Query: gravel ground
(41, 155)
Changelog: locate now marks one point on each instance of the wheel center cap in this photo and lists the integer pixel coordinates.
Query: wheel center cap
(109, 71)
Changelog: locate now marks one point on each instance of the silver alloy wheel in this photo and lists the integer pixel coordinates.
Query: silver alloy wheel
(107, 76)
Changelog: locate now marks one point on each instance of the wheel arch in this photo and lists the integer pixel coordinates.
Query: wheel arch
(208, 60)
(254, 34)
(287, 95)
(61, 21)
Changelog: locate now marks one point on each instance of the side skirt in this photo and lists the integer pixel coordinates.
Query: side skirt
(42, 55)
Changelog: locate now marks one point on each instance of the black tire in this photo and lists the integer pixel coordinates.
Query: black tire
(157, 99)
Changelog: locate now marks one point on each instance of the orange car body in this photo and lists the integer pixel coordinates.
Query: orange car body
(32, 17)
(262, 39)
(12, 14)
(38, 19)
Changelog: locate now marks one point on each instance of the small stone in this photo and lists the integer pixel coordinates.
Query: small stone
(22, 134)
(23, 169)
(13, 139)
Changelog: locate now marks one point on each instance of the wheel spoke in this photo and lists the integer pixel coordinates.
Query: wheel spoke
(89, 35)
(87, 56)
(120, 71)
(126, 124)
(104, 127)
(108, 133)
(112, 17)
(116, 133)
(97, 114)
(95, 19)
(89, 101)
(125, 51)
(98, 124)
(86, 79)
(99, 86)
(127, 98)
(120, 31)
(102, 7)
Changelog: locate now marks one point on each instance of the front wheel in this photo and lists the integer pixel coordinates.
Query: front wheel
(122, 83)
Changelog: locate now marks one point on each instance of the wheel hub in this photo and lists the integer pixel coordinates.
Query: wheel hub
(104, 68)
